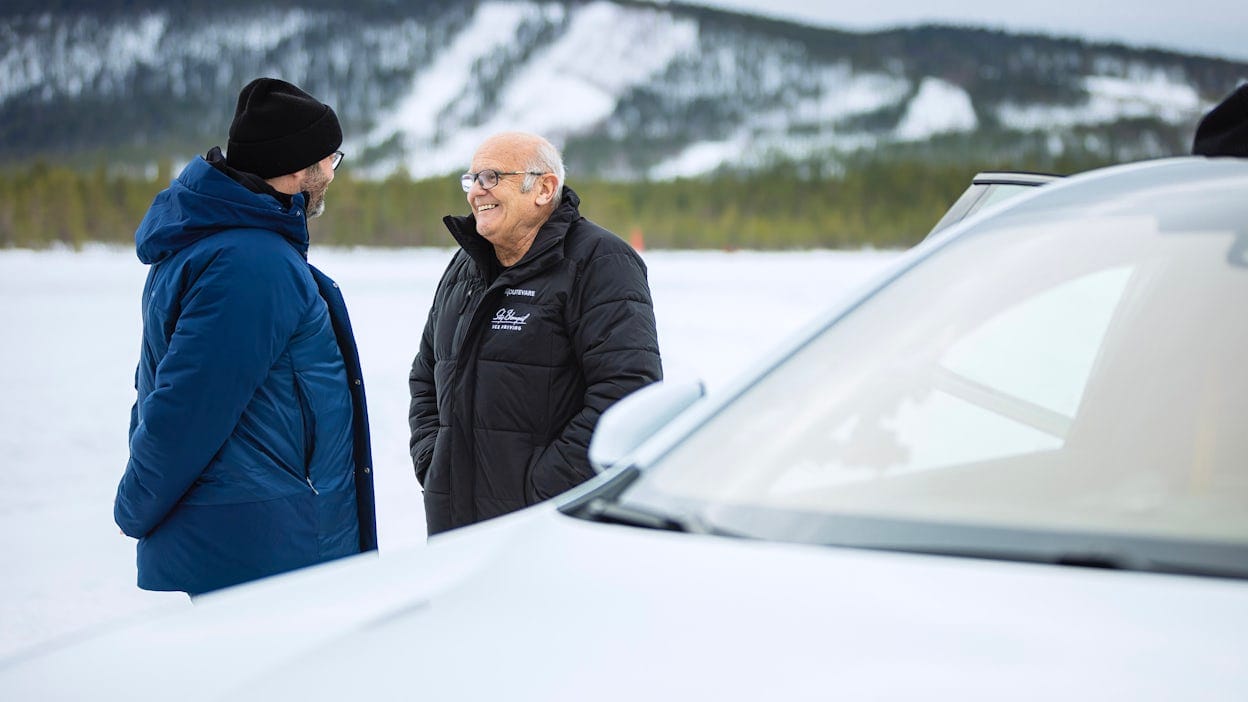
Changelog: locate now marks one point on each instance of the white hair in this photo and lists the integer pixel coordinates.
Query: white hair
(545, 159)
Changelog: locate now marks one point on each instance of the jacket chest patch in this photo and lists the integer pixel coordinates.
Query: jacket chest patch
(508, 319)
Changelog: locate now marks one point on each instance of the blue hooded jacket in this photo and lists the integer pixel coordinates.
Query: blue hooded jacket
(249, 449)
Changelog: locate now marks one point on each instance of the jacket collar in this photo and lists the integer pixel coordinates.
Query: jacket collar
(204, 200)
(251, 181)
(547, 246)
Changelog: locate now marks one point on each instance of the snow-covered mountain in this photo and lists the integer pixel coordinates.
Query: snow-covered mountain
(630, 89)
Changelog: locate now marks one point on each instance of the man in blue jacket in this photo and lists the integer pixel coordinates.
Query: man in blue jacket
(249, 449)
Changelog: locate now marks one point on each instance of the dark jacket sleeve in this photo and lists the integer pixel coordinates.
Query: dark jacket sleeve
(422, 413)
(616, 343)
(236, 319)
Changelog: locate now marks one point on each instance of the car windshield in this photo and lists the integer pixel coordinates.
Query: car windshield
(1072, 372)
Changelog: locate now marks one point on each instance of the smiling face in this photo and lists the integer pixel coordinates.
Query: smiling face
(506, 216)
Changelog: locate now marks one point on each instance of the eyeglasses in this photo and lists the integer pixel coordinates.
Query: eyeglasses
(489, 178)
(338, 156)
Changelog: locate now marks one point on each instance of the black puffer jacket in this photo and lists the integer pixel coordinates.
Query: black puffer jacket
(516, 365)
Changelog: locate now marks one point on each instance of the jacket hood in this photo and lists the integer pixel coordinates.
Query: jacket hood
(202, 201)
(464, 230)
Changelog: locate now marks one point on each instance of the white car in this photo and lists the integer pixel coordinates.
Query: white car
(1016, 468)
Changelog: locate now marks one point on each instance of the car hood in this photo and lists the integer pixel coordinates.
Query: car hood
(539, 605)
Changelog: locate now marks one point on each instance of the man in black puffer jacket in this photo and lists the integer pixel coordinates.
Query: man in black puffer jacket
(541, 321)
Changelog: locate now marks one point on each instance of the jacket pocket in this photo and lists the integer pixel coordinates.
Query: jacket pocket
(531, 494)
(308, 420)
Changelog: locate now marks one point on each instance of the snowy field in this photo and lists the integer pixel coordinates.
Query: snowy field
(70, 326)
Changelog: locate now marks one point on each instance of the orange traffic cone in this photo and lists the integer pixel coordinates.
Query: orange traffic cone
(636, 239)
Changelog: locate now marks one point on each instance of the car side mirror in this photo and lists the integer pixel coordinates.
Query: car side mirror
(628, 423)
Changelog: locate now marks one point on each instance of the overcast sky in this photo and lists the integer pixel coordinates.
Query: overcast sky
(1206, 27)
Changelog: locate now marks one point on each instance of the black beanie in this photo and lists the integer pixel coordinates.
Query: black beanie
(1224, 131)
(279, 129)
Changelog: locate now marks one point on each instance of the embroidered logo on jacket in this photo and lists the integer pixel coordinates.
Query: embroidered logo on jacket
(508, 320)
(518, 291)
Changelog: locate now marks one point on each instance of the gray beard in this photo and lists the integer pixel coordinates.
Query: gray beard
(313, 208)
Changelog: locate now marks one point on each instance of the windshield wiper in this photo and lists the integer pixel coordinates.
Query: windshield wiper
(1088, 549)
(608, 512)
(1104, 558)
(601, 504)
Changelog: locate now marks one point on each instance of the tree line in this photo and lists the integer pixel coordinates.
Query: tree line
(880, 204)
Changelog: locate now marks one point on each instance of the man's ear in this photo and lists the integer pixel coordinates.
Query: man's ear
(546, 185)
(289, 184)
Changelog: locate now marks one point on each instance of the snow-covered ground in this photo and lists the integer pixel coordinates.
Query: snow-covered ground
(70, 339)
